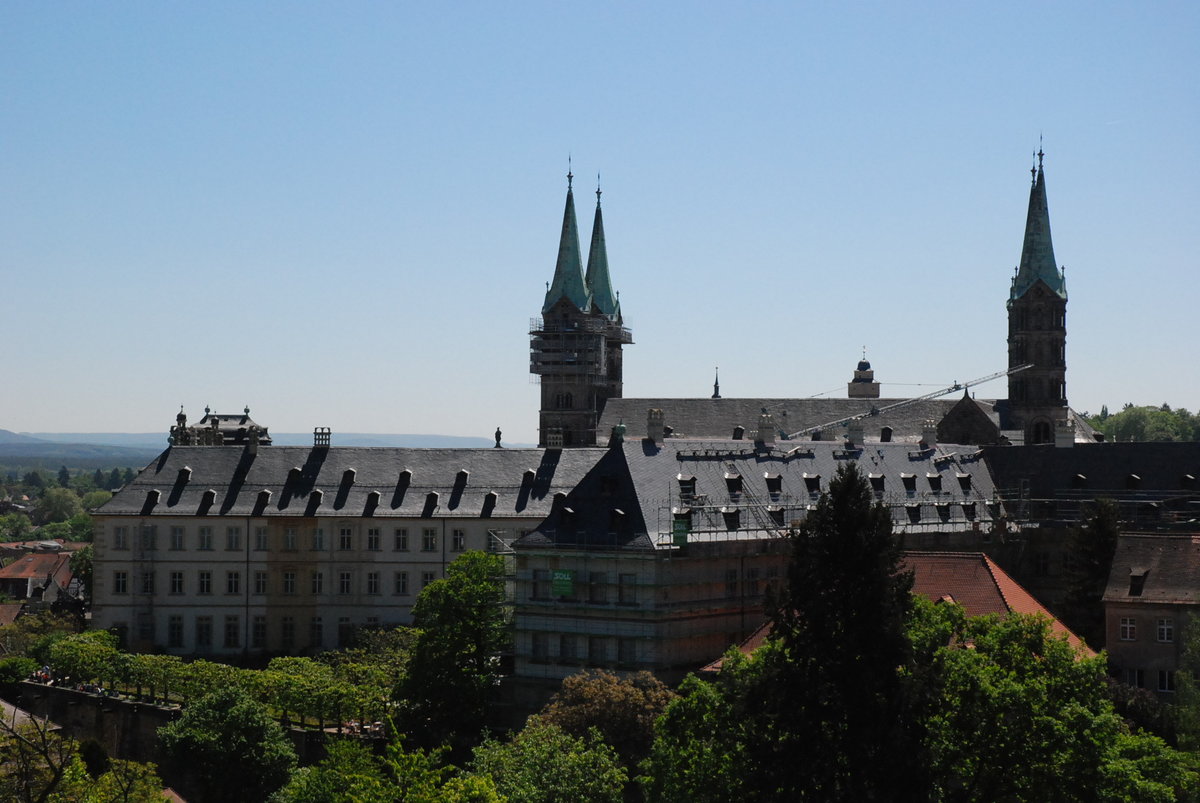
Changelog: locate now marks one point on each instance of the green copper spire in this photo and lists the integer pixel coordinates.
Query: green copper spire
(1037, 254)
(568, 272)
(598, 282)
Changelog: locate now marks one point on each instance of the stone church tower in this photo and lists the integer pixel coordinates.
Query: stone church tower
(1037, 331)
(575, 348)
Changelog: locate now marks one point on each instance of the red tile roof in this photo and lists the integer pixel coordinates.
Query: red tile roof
(970, 579)
(37, 565)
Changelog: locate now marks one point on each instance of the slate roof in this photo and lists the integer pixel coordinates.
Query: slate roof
(943, 489)
(1037, 251)
(316, 481)
(974, 581)
(716, 418)
(1169, 563)
(1162, 469)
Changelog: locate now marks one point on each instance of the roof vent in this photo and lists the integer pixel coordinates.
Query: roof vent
(152, 496)
(348, 476)
(885, 435)
(314, 498)
(739, 433)
(185, 474)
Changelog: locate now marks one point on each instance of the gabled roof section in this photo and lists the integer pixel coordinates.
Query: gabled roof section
(1168, 565)
(1037, 253)
(599, 284)
(568, 271)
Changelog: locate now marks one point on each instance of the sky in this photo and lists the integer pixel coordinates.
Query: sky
(345, 214)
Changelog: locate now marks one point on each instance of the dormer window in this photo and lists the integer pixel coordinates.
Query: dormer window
(964, 482)
(1079, 481)
(935, 482)
(774, 486)
(910, 483)
(914, 512)
(687, 487)
(732, 517)
(1133, 482)
(733, 482)
(876, 483)
(1137, 581)
(812, 483)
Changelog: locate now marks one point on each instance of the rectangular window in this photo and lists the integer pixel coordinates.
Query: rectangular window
(427, 578)
(401, 583)
(258, 632)
(626, 651)
(318, 540)
(316, 632)
(177, 543)
(120, 538)
(175, 631)
(176, 583)
(400, 540)
(540, 587)
(145, 626)
(120, 582)
(203, 632)
(287, 633)
(149, 538)
(260, 539)
(459, 542)
(752, 586)
(568, 648)
(345, 539)
(627, 589)
(233, 539)
(233, 636)
(372, 621)
(147, 582)
(318, 582)
(1135, 678)
(260, 582)
(372, 539)
(204, 582)
(1128, 629)
(598, 588)
(233, 582)
(1166, 630)
(731, 583)
(204, 539)
(428, 540)
(596, 650)
(1166, 680)
(289, 539)
(344, 581)
(539, 651)
(289, 582)
(372, 582)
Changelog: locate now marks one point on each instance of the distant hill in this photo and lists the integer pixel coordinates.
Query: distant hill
(104, 450)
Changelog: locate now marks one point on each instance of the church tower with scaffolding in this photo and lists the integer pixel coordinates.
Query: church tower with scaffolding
(575, 346)
(1037, 330)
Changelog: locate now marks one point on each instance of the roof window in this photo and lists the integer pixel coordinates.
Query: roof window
(732, 517)
(687, 487)
(812, 483)
(733, 482)
(774, 485)
(935, 482)
(910, 483)
(914, 512)
(964, 482)
(876, 483)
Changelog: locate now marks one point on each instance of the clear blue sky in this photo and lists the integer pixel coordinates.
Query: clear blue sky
(344, 214)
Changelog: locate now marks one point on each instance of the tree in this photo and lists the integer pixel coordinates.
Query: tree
(1092, 546)
(57, 504)
(622, 710)
(64, 477)
(833, 698)
(544, 764)
(98, 479)
(231, 746)
(15, 526)
(127, 477)
(114, 480)
(94, 499)
(1015, 713)
(454, 668)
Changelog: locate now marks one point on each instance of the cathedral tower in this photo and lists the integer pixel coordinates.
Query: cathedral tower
(575, 348)
(1037, 330)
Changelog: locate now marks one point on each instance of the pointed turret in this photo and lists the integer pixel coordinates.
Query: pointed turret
(1037, 253)
(568, 271)
(598, 282)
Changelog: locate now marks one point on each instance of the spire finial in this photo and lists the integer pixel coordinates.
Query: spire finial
(717, 382)
(597, 189)
(570, 175)
(864, 352)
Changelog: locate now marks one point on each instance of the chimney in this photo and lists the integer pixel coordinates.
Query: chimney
(854, 432)
(1064, 434)
(929, 434)
(252, 442)
(654, 425)
(766, 429)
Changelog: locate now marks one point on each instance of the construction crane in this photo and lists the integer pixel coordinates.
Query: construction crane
(874, 411)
